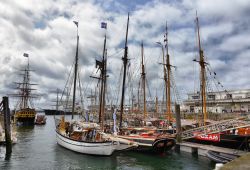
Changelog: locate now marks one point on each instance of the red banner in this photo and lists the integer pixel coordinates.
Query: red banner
(208, 137)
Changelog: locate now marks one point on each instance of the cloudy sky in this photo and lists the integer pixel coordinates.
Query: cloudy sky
(45, 30)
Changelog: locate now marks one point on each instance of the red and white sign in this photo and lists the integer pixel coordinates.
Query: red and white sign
(208, 137)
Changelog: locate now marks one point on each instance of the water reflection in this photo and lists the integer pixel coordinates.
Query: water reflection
(37, 149)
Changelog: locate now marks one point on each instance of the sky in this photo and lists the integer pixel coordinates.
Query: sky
(45, 30)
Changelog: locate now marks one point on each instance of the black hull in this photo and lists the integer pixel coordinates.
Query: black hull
(228, 141)
(25, 121)
(163, 145)
(158, 146)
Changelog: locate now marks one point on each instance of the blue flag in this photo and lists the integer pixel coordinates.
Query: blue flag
(104, 25)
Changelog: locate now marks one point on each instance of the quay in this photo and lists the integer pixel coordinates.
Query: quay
(201, 149)
(241, 163)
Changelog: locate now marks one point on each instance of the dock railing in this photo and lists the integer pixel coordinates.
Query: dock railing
(216, 127)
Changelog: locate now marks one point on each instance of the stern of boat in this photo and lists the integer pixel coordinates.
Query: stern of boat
(163, 144)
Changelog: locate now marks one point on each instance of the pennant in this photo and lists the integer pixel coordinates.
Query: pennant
(76, 23)
(104, 25)
(98, 64)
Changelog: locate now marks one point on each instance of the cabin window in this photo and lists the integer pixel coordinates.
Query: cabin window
(191, 108)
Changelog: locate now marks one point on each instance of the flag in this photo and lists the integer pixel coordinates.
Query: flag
(98, 64)
(25, 55)
(76, 23)
(104, 25)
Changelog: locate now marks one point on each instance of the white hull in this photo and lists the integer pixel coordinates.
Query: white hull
(92, 148)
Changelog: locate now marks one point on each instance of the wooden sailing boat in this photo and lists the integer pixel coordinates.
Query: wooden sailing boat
(85, 137)
(25, 114)
(148, 139)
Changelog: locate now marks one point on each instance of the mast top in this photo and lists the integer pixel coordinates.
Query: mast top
(166, 37)
(125, 60)
(198, 32)
(126, 40)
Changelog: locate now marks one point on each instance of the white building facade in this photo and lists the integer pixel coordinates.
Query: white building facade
(220, 102)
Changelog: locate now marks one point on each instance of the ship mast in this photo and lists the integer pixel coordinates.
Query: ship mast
(156, 107)
(165, 74)
(203, 73)
(25, 89)
(75, 73)
(168, 65)
(125, 61)
(143, 75)
(102, 66)
(104, 76)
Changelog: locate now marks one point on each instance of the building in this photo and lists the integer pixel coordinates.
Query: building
(220, 102)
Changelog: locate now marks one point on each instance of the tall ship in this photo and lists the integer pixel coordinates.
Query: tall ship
(86, 137)
(231, 133)
(148, 138)
(24, 112)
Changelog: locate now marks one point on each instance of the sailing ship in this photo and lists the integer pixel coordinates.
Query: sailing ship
(149, 139)
(228, 133)
(25, 114)
(85, 137)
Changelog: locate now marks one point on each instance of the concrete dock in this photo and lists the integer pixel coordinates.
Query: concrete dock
(241, 163)
(201, 149)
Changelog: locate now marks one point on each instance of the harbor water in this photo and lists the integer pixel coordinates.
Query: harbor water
(37, 149)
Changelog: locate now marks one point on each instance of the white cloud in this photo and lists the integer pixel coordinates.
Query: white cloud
(46, 31)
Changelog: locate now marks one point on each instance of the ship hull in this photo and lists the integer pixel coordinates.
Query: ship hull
(25, 117)
(151, 144)
(25, 121)
(91, 148)
(227, 140)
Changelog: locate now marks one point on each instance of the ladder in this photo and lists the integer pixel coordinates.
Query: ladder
(216, 127)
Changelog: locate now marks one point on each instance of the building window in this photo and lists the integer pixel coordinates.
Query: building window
(191, 108)
(248, 95)
(229, 96)
(211, 97)
(195, 97)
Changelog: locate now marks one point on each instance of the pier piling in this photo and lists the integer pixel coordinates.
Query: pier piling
(6, 111)
(178, 123)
